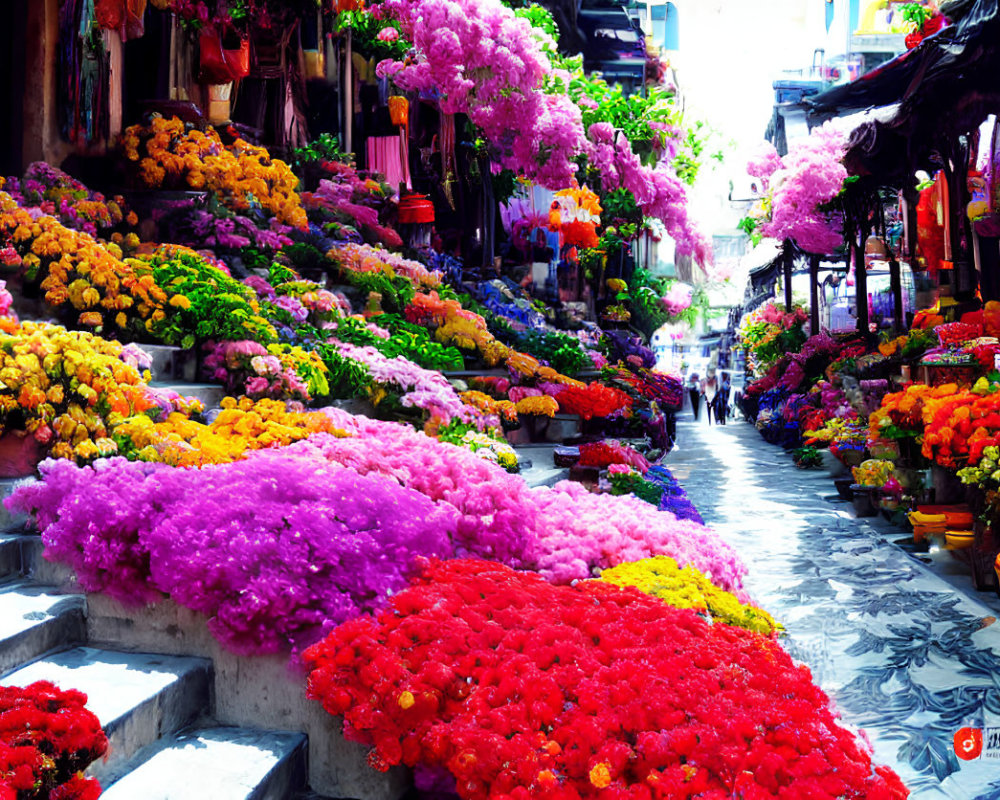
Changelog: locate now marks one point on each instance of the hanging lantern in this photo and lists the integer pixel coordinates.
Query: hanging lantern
(399, 110)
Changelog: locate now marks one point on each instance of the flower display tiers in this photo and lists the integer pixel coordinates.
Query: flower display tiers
(181, 714)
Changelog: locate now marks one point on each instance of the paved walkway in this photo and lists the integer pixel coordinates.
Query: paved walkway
(905, 654)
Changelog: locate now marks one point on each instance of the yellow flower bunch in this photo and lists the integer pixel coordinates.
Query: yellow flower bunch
(68, 389)
(689, 588)
(242, 426)
(538, 406)
(239, 174)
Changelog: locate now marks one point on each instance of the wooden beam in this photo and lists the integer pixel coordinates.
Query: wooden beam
(861, 281)
(787, 259)
(813, 294)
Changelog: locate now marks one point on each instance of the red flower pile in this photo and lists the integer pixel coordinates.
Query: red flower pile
(957, 333)
(47, 739)
(604, 454)
(525, 690)
(593, 400)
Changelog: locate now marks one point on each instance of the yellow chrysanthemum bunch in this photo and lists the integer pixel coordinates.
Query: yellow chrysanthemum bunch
(242, 426)
(69, 389)
(689, 588)
(501, 408)
(239, 174)
(543, 406)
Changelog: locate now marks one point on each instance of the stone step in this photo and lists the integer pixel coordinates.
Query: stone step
(217, 763)
(138, 697)
(34, 619)
(172, 363)
(10, 556)
(35, 566)
(209, 393)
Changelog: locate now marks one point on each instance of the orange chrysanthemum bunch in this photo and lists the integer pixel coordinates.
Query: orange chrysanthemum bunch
(81, 275)
(504, 409)
(241, 427)
(171, 154)
(959, 426)
(905, 409)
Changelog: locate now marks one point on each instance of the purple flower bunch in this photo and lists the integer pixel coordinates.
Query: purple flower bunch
(279, 549)
(248, 368)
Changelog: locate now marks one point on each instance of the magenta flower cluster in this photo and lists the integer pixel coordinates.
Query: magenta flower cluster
(482, 60)
(288, 543)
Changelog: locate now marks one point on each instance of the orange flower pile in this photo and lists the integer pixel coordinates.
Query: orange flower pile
(81, 276)
(169, 155)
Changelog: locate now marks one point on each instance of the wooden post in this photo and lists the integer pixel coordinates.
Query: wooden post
(861, 282)
(787, 259)
(348, 98)
(813, 294)
(896, 287)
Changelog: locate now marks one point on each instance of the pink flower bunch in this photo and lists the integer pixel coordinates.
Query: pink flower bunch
(484, 61)
(764, 163)
(247, 368)
(418, 387)
(677, 299)
(563, 532)
(812, 175)
(659, 192)
(366, 258)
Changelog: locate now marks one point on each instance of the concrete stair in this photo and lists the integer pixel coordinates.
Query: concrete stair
(157, 710)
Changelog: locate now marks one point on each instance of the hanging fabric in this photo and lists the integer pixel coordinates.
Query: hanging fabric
(389, 157)
(83, 74)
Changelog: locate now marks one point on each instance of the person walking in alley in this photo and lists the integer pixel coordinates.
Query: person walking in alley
(722, 399)
(710, 389)
(694, 392)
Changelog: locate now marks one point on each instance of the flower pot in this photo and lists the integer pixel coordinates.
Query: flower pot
(865, 504)
(19, 454)
(844, 487)
(833, 464)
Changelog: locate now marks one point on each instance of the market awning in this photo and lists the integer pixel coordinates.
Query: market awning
(946, 85)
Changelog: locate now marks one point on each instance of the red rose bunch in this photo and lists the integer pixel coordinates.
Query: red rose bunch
(47, 738)
(523, 690)
(593, 400)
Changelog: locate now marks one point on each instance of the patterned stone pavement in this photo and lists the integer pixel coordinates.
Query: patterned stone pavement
(907, 649)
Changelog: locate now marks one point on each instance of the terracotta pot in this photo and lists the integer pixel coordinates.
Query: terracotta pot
(19, 454)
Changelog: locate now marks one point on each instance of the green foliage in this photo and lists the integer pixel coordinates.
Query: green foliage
(324, 148)
(634, 483)
(750, 226)
(365, 27)
(217, 306)
(807, 457)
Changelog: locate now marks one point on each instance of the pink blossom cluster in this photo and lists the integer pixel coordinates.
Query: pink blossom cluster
(484, 61)
(764, 163)
(658, 191)
(563, 532)
(419, 388)
(812, 175)
(677, 299)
